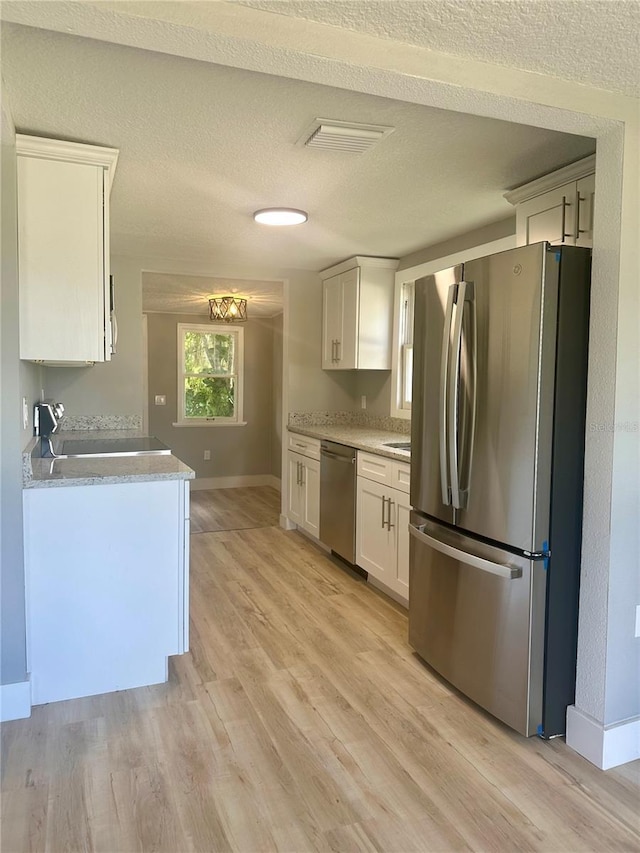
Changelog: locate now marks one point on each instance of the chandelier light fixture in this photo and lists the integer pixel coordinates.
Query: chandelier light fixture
(280, 216)
(228, 309)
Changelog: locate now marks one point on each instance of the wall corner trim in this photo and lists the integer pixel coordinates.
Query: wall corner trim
(604, 746)
(15, 701)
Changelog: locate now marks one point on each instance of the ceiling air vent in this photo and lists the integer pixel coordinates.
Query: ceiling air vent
(347, 136)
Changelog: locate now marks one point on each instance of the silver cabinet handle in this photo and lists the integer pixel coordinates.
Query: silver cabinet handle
(389, 524)
(565, 205)
(443, 407)
(338, 350)
(299, 479)
(579, 230)
(509, 572)
(384, 500)
(302, 473)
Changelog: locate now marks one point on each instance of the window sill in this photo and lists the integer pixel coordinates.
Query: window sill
(211, 423)
(404, 414)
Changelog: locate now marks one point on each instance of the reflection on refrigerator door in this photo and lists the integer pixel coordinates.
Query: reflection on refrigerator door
(476, 615)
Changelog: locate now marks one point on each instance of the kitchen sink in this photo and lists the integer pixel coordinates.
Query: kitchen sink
(399, 445)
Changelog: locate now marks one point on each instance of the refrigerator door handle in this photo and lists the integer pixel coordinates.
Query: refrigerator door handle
(444, 407)
(454, 402)
(508, 572)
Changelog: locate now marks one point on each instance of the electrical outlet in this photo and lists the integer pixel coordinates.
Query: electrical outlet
(363, 402)
(207, 455)
(637, 620)
(160, 400)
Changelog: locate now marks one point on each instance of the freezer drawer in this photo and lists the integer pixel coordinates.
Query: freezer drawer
(476, 615)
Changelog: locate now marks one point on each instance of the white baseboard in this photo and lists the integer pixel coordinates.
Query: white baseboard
(287, 524)
(604, 746)
(204, 483)
(15, 701)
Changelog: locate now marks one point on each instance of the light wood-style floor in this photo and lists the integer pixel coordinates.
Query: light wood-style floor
(300, 721)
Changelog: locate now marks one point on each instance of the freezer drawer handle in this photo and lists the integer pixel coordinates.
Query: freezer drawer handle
(509, 572)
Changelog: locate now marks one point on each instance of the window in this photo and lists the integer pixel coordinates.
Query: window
(407, 296)
(402, 359)
(210, 375)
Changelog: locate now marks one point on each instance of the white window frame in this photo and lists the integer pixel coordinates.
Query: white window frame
(215, 329)
(400, 408)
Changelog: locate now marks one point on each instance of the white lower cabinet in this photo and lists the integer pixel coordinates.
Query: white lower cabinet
(303, 505)
(382, 524)
(107, 585)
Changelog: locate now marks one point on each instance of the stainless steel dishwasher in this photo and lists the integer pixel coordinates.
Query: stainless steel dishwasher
(338, 499)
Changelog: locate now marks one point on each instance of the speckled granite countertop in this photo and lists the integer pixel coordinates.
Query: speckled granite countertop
(361, 437)
(40, 473)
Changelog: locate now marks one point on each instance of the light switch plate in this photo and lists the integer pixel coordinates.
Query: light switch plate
(160, 400)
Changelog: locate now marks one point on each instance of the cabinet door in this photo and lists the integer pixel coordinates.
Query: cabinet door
(403, 511)
(294, 499)
(375, 543)
(348, 343)
(311, 497)
(586, 203)
(332, 311)
(61, 239)
(550, 216)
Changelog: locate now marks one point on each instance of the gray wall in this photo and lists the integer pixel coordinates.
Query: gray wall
(276, 397)
(486, 234)
(115, 387)
(311, 389)
(235, 451)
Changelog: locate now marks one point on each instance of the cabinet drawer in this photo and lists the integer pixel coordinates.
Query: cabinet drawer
(376, 468)
(401, 476)
(382, 469)
(303, 444)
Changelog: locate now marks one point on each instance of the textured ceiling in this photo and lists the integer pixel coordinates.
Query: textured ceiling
(202, 146)
(595, 42)
(189, 294)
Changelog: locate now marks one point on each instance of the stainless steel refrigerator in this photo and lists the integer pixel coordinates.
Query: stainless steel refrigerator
(497, 453)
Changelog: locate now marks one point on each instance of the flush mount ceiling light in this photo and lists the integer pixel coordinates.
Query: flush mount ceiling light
(280, 216)
(228, 309)
(347, 136)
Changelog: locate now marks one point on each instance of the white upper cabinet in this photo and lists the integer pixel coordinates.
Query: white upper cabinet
(357, 314)
(66, 304)
(558, 207)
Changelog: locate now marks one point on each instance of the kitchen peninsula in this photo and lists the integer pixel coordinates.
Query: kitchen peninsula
(106, 568)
